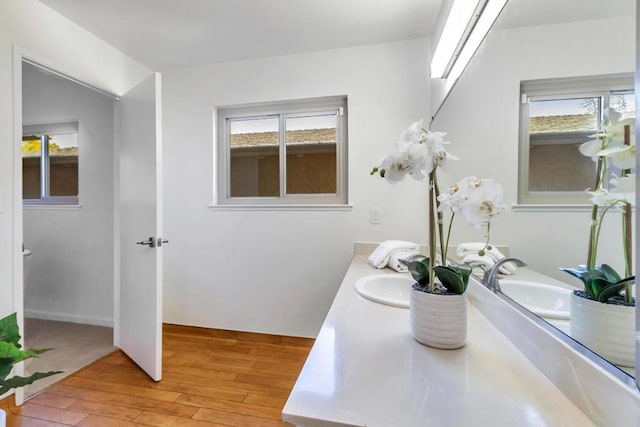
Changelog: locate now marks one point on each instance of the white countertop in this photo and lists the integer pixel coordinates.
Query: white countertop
(365, 369)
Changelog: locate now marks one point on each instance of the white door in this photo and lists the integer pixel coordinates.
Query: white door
(138, 307)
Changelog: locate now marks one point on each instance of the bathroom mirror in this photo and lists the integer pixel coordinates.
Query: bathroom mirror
(534, 40)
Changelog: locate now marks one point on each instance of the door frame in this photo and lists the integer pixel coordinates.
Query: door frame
(19, 55)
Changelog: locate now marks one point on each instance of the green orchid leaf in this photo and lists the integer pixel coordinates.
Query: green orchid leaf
(450, 279)
(627, 280)
(420, 271)
(579, 273)
(598, 285)
(611, 274)
(609, 292)
(15, 382)
(9, 331)
(465, 271)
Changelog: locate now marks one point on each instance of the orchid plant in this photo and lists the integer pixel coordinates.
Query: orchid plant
(420, 153)
(613, 145)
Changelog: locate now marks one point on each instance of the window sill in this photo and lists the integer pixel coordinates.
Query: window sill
(554, 208)
(51, 207)
(274, 207)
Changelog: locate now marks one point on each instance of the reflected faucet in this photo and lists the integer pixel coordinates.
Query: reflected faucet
(490, 278)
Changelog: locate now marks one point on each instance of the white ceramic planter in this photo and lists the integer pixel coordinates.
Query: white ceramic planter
(607, 329)
(438, 321)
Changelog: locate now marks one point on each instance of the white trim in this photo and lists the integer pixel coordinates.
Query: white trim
(521, 207)
(17, 229)
(41, 207)
(50, 70)
(55, 128)
(55, 201)
(550, 208)
(257, 207)
(66, 317)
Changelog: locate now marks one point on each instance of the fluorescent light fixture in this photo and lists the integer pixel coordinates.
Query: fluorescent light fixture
(454, 29)
(480, 30)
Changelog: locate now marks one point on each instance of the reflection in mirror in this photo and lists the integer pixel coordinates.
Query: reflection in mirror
(555, 42)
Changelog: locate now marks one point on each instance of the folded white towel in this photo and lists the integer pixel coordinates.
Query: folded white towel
(379, 258)
(396, 256)
(493, 254)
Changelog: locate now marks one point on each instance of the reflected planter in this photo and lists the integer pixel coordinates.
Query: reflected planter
(606, 329)
(438, 321)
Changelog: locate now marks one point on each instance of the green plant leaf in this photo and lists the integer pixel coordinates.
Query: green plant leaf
(465, 271)
(9, 331)
(420, 271)
(6, 364)
(9, 350)
(15, 382)
(609, 272)
(578, 272)
(609, 292)
(450, 279)
(615, 288)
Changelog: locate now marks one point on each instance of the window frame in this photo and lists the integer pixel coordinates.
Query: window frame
(557, 89)
(282, 110)
(44, 130)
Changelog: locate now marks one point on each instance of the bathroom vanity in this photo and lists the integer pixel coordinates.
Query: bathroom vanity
(365, 369)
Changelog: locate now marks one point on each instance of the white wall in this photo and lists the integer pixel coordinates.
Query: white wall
(49, 38)
(481, 117)
(278, 271)
(71, 266)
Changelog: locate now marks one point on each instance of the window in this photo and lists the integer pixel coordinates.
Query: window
(50, 164)
(556, 117)
(289, 153)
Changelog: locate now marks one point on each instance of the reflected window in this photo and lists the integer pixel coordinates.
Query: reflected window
(50, 164)
(557, 116)
(283, 153)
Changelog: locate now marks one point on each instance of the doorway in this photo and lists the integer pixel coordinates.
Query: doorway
(129, 165)
(68, 223)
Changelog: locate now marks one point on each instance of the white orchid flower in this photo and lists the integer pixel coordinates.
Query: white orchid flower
(610, 142)
(414, 133)
(601, 197)
(412, 161)
(623, 157)
(396, 166)
(458, 193)
(624, 188)
(624, 184)
(591, 148)
(483, 203)
(441, 158)
(613, 126)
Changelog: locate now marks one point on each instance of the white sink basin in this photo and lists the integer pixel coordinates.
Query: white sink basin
(544, 300)
(389, 289)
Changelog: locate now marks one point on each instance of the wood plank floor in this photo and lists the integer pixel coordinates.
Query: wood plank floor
(210, 378)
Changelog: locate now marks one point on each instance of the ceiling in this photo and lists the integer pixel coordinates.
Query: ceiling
(176, 33)
(180, 33)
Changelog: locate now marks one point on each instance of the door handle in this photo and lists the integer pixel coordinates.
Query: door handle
(161, 242)
(151, 242)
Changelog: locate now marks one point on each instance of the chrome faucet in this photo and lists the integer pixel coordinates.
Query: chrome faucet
(490, 278)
